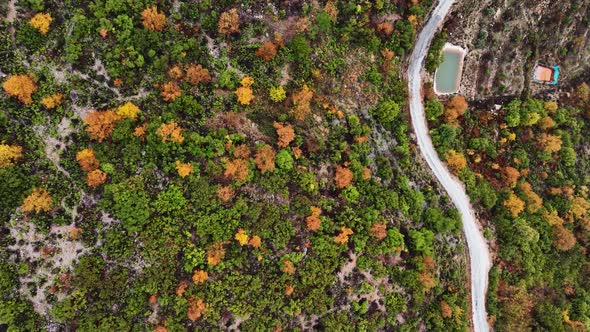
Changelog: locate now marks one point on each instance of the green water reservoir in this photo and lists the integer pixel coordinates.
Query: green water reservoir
(448, 74)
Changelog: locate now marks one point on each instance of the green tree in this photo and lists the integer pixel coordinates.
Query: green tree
(386, 111)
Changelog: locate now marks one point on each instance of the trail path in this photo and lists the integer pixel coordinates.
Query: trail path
(479, 256)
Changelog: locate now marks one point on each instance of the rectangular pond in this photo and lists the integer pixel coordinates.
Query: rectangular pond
(447, 78)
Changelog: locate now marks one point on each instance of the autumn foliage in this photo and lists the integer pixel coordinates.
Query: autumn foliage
(128, 111)
(95, 178)
(170, 91)
(196, 74)
(343, 177)
(579, 207)
(385, 28)
(285, 134)
(39, 200)
(225, 193)
(255, 242)
(52, 101)
(456, 161)
(9, 154)
(302, 101)
(379, 231)
(215, 253)
(514, 204)
(229, 22)
(236, 169)
(244, 93)
(564, 240)
(170, 132)
(533, 201)
(342, 237)
(41, 22)
(175, 72)
(510, 175)
(196, 308)
(549, 143)
(183, 169)
(241, 237)
(200, 276)
(455, 108)
(20, 86)
(265, 159)
(446, 310)
(87, 160)
(267, 51)
(100, 124)
(289, 267)
(152, 19)
(313, 221)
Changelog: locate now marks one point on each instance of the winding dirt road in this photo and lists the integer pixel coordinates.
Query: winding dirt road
(478, 250)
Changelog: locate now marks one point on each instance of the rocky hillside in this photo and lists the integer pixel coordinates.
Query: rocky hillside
(506, 38)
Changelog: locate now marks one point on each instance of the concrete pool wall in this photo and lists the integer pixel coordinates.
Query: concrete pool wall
(447, 78)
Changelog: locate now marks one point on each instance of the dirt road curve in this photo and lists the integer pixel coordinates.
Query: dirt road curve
(478, 250)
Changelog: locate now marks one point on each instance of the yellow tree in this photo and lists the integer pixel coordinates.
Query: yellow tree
(241, 237)
(9, 154)
(152, 19)
(175, 72)
(244, 93)
(170, 132)
(579, 207)
(20, 86)
(52, 101)
(551, 106)
(39, 200)
(534, 202)
(41, 22)
(514, 204)
(183, 169)
(289, 267)
(128, 111)
(456, 161)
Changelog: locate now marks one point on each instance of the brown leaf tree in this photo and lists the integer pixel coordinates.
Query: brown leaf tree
(152, 19)
(229, 22)
(265, 159)
(100, 124)
(267, 51)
